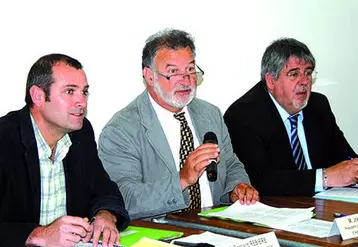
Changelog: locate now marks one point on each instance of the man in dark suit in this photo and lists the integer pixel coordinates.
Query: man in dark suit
(286, 135)
(51, 179)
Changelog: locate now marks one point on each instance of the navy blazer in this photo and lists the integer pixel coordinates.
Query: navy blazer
(88, 186)
(261, 142)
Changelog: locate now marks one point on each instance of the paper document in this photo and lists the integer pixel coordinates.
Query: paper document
(218, 240)
(264, 214)
(312, 227)
(210, 238)
(347, 194)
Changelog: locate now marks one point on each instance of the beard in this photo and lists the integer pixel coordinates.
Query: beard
(171, 99)
(302, 102)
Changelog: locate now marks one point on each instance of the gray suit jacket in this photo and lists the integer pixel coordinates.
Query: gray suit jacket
(135, 152)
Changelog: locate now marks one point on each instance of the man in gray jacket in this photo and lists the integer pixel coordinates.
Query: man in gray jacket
(157, 159)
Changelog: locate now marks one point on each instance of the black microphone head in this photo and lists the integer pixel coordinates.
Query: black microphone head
(210, 137)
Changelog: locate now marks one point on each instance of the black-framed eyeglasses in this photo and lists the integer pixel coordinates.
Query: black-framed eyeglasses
(196, 75)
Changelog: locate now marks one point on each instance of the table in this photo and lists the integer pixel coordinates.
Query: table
(143, 223)
(324, 210)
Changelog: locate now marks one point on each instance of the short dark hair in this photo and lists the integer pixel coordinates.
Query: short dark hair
(278, 53)
(168, 38)
(40, 73)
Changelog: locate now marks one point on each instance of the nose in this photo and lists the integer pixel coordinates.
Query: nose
(304, 79)
(185, 80)
(81, 101)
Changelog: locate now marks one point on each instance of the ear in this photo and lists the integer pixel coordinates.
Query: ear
(37, 95)
(270, 82)
(148, 76)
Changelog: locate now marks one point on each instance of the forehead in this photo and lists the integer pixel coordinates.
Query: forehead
(64, 74)
(178, 57)
(297, 63)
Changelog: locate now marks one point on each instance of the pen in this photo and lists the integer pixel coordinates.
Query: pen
(339, 215)
(100, 244)
(186, 244)
(91, 221)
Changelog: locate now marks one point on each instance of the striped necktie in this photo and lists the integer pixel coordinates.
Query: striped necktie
(186, 147)
(296, 145)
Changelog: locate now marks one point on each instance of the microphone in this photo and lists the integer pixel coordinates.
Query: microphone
(211, 170)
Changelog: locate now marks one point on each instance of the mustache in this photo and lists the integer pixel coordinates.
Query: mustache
(181, 87)
(301, 89)
(78, 111)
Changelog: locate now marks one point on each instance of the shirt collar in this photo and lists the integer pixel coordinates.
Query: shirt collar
(283, 113)
(43, 148)
(162, 112)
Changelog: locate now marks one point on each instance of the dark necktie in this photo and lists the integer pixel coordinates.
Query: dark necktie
(186, 147)
(296, 145)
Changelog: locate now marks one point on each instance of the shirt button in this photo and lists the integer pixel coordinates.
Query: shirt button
(174, 201)
(169, 202)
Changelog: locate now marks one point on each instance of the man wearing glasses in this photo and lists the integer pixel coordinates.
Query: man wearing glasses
(287, 135)
(153, 147)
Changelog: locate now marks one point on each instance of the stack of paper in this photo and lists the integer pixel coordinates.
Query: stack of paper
(339, 194)
(296, 220)
(219, 240)
(264, 214)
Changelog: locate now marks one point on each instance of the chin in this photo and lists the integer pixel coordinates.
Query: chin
(75, 127)
(301, 105)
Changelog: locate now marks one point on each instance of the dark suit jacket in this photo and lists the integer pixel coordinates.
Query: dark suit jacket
(88, 186)
(261, 142)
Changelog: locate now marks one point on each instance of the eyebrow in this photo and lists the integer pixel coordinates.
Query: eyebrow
(174, 65)
(75, 86)
(293, 69)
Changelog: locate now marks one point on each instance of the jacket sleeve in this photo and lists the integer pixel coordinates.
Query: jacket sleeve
(148, 187)
(15, 234)
(15, 223)
(105, 194)
(341, 150)
(235, 170)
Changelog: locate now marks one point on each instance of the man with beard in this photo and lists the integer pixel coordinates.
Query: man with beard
(287, 135)
(148, 147)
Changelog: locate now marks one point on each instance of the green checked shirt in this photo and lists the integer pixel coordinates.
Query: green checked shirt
(53, 186)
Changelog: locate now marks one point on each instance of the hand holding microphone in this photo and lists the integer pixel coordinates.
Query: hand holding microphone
(211, 170)
(197, 162)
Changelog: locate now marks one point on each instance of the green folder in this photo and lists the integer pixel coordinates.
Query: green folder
(205, 213)
(133, 234)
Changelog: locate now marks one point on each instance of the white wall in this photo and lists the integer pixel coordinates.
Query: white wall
(231, 36)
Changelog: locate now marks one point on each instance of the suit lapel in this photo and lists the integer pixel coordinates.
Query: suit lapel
(200, 120)
(155, 133)
(312, 133)
(72, 169)
(202, 124)
(32, 159)
(279, 137)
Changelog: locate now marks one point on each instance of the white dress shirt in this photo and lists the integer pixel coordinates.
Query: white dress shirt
(171, 128)
(302, 137)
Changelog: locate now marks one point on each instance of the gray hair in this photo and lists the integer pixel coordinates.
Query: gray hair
(168, 38)
(278, 53)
